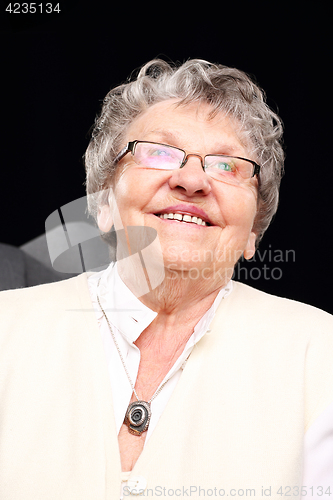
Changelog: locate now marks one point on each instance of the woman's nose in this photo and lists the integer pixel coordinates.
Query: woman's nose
(191, 178)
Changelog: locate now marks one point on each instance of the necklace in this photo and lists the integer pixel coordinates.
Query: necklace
(138, 413)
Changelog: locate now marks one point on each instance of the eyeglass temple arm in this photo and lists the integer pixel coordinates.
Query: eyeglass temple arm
(128, 148)
(256, 169)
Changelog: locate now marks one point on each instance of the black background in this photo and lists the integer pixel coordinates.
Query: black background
(56, 69)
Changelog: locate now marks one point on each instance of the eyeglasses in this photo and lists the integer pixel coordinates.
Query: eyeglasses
(232, 169)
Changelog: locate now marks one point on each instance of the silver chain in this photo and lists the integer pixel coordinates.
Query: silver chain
(156, 393)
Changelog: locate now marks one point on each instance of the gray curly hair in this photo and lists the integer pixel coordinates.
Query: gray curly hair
(227, 90)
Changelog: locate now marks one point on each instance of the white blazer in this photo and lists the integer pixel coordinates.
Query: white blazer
(235, 422)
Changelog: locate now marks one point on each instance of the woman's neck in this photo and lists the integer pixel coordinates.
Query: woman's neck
(179, 300)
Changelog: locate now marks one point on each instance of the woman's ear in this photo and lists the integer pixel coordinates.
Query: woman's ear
(104, 219)
(250, 246)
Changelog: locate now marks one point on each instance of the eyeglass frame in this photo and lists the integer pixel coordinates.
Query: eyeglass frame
(130, 148)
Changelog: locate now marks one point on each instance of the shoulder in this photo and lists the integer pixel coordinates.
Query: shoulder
(279, 323)
(44, 290)
(284, 334)
(279, 310)
(45, 320)
(42, 300)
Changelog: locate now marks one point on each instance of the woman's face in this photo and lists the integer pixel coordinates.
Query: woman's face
(142, 194)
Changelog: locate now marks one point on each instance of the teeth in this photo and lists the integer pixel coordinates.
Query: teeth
(185, 218)
(178, 216)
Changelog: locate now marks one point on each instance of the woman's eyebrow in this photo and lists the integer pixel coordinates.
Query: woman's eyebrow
(166, 135)
(227, 149)
(174, 139)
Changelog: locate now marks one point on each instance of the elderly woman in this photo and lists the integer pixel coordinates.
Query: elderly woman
(160, 376)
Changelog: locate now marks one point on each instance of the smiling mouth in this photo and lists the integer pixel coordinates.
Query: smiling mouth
(185, 218)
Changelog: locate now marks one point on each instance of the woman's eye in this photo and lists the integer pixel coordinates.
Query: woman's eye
(160, 152)
(220, 165)
(227, 167)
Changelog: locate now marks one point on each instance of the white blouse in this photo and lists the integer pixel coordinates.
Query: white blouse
(129, 317)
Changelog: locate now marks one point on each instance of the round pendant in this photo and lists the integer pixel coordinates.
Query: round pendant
(137, 417)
